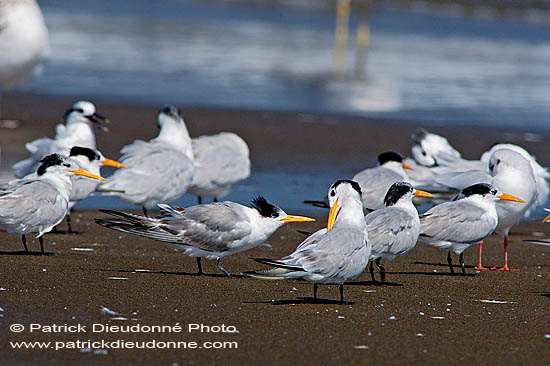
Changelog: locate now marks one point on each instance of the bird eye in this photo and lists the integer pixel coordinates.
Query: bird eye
(424, 153)
(332, 193)
(80, 110)
(274, 215)
(67, 165)
(494, 192)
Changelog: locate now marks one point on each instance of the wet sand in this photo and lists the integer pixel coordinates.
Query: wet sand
(421, 315)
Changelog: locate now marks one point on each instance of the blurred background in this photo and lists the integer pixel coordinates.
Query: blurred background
(460, 62)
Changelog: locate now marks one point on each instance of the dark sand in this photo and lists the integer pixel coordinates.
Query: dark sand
(277, 321)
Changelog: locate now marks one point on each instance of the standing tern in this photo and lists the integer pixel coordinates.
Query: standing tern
(212, 230)
(333, 255)
(158, 171)
(375, 182)
(37, 204)
(455, 225)
(394, 229)
(76, 132)
(23, 40)
(510, 172)
(220, 161)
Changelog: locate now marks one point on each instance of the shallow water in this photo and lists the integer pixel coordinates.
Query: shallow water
(421, 66)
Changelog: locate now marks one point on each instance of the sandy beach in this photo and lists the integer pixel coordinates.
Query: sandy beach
(421, 315)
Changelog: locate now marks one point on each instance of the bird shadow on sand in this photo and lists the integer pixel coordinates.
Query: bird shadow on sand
(301, 301)
(375, 283)
(66, 232)
(190, 274)
(456, 267)
(22, 252)
(545, 294)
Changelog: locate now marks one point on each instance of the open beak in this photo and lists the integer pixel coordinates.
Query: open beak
(406, 166)
(100, 120)
(509, 197)
(419, 193)
(294, 218)
(113, 163)
(86, 173)
(333, 213)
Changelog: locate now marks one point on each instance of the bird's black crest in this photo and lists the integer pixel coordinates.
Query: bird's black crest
(265, 208)
(171, 110)
(479, 188)
(353, 183)
(419, 135)
(389, 156)
(89, 153)
(70, 110)
(48, 161)
(396, 191)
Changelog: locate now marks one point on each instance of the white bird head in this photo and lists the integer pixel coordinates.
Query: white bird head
(402, 192)
(169, 115)
(392, 160)
(91, 159)
(84, 112)
(505, 159)
(339, 194)
(273, 213)
(488, 191)
(62, 165)
(428, 145)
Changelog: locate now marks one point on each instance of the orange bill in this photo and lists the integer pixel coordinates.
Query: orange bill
(509, 197)
(333, 213)
(113, 163)
(294, 218)
(87, 174)
(406, 166)
(546, 218)
(419, 193)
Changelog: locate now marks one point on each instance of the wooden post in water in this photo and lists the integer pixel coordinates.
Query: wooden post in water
(341, 36)
(362, 40)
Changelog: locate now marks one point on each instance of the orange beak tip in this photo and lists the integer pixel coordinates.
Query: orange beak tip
(419, 193)
(407, 166)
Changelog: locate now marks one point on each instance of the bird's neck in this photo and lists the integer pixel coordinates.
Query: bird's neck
(62, 183)
(351, 213)
(79, 131)
(176, 134)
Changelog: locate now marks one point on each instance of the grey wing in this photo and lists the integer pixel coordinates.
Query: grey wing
(392, 231)
(33, 204)
(152, 171)
(463, 179)
(456, 221)
(223, 158)
(212, 227)
(333, 254)
(375, 184)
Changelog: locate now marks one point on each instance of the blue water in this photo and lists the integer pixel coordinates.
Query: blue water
(424, 67)
(421, 66)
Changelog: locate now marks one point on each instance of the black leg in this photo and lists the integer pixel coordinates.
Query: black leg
(315, 291)
(371, 269)
(54, 230)
(145, 211)
(341, 293)
(24, 239)
(215, 199)
(382, 270)
(222, 269)
(450, 261)
(41, 240)
(200, 266)
(199, 198)
(70, 229)
(461, 260)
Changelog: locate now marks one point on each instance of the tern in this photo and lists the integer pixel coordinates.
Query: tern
(158, 171)
(37, 204)
(220, 161)
(455, 225)
(375, 182)
(510, 172)
(394, 229)
(76, 132)
(212, 230)
(333, 255)
(23, 40)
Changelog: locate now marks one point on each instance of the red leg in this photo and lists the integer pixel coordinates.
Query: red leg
(505, 267)
(479, 265)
